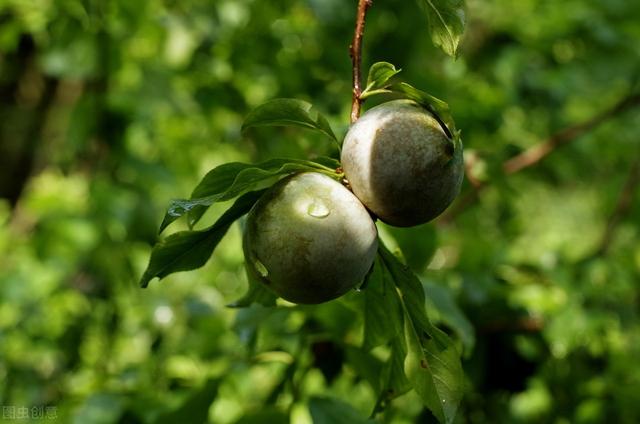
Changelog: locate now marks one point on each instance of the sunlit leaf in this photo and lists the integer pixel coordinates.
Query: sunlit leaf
(289, 112)
(187, 250)
(233, 179)
(379, 75)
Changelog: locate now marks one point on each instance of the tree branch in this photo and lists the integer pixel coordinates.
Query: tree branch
(622, 206)
(537, 153)
(355, 51)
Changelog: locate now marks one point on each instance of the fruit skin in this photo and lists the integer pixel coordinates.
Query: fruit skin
(401, 164)
(305, 258)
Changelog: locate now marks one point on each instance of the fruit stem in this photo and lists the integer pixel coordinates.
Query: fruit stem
(355, 51)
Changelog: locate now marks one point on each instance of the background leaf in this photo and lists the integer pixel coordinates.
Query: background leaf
(366, 366)
(333, 411)
(440, 301)
(195, 409)
(267, 415)
(256, 293)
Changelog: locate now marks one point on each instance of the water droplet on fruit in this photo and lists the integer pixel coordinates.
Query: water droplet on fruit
(262, 270)
(317, 209)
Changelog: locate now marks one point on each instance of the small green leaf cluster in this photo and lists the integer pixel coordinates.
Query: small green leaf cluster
(382, 80)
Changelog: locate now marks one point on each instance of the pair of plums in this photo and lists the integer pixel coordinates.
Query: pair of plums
(310, 239)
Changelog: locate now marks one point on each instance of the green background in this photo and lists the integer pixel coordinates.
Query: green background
(109, 109)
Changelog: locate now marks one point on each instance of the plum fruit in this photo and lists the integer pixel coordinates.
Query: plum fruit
(401, 163)
(309, 239)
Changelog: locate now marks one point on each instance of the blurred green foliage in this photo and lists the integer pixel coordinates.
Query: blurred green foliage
(111, 108)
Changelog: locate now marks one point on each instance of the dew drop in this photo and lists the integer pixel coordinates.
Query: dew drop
(177, 210)
(317, 209)
(262, 270)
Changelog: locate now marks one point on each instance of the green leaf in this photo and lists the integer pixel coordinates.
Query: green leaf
(289, 112)
(233, 179)
(327, 161)
(434, 105)
(382, 311)
(365, 365)
(379, 75)
(441, 299)
(216, 181)
(189, 250)
(333, 411)
(446, 23)
(433, 367)
(269, 414)
(393, 381)
(432, 364)
(195, 409)
(418, 243)
(410, 287)
(100, 408)
(256, 293)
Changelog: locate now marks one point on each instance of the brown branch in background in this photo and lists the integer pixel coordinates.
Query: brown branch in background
(464, 201)
(629, 189)
(518, 325)
(355, 51)
(537, 153)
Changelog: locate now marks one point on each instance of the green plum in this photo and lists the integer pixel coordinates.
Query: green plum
(401, 164)
(309, 239)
